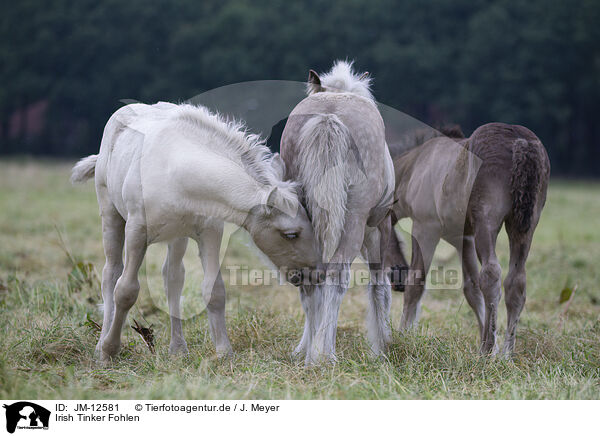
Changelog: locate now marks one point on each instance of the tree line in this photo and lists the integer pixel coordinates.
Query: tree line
(65, 64)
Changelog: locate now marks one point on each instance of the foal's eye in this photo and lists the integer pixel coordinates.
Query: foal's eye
(290, 235)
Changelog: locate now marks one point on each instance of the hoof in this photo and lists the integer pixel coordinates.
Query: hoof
(320, 360)
(98, 350)
(101, 358)
(508, 349)
(297, 356)
(109, 350)
(489, 350)
(379, 351)
(407, 326)
(104, 361)
(225, 353)
(299, 352)
(507, 356)
(178, 349)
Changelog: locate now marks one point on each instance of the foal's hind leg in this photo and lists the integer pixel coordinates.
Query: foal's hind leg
(128, 285)
(379, 289)
(173, 275)
(515, 283)
(213, 287)
(424, 240)
(113, 228)
(489, 282)
(327, 298)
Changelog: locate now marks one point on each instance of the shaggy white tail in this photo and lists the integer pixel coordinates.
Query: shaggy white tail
(84, 169)
(325, 144)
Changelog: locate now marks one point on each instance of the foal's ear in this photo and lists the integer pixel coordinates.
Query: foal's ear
(365, 75)
(272, 202)
(314, 82)
(276, 202)
(278, 165)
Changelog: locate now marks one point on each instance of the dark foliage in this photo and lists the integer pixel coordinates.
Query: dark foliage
(64, 65)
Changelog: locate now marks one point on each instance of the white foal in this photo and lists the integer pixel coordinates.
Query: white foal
(170, 172)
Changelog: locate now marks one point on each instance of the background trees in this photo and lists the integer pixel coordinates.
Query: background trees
(65, 64)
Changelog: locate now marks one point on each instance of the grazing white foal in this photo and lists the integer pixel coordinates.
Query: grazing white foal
(171, 172)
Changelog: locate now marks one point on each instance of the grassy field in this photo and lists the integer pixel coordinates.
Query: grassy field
(50, 232)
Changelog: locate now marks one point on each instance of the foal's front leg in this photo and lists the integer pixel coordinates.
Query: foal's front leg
(424, 240)
(213, 287)
(173, 275)
(465, 245)
(379, 289)
(128, 285)
(308, 304)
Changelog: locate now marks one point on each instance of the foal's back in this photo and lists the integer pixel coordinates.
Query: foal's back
(172, 165)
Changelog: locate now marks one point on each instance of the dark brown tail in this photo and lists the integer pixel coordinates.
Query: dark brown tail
(525, 181)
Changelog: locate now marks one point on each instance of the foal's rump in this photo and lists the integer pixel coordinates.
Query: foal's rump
(118, 176)
(514, 172)
(341, 159)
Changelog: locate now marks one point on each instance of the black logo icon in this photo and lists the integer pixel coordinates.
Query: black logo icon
(26, 415)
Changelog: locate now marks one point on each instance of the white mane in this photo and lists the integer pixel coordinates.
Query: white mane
(342, 78)
(233, 141)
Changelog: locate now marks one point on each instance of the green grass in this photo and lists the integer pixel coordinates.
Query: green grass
(46, 343)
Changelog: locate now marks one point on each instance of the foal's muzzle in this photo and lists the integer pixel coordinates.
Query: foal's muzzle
(306, 276)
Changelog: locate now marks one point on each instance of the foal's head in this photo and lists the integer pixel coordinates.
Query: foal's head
(282, 230)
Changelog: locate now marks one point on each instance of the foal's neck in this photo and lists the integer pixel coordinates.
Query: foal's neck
(404, 164)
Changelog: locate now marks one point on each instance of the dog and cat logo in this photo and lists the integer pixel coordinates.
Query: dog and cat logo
(26, 415)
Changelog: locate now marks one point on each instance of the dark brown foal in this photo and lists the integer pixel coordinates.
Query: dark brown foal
(463, 190)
